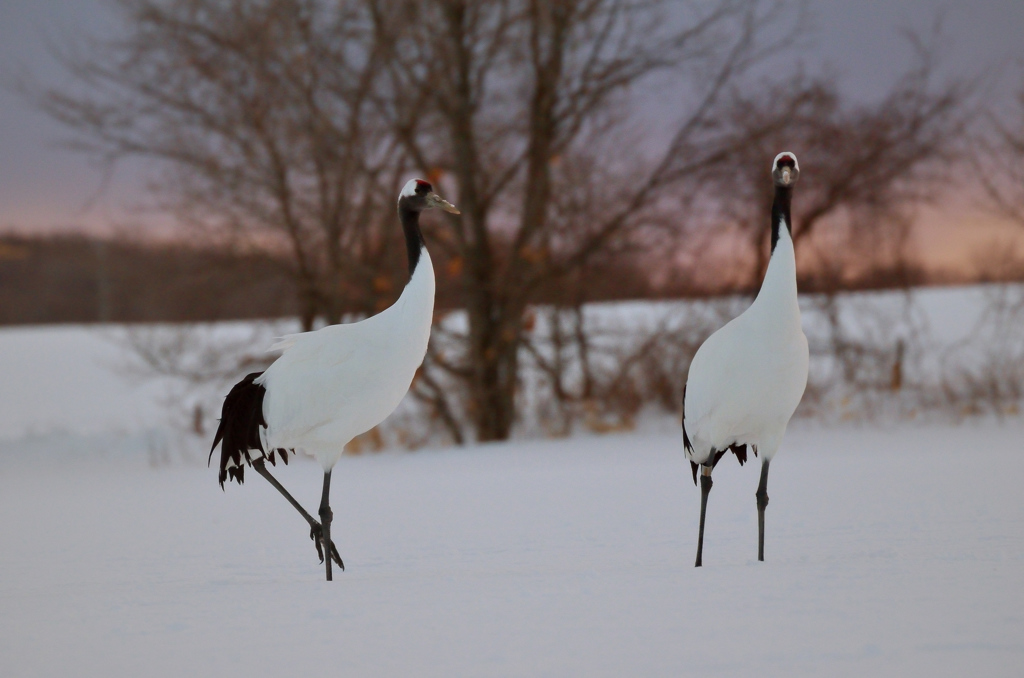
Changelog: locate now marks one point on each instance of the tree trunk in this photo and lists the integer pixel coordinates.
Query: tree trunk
(495, 359)
(493, 349)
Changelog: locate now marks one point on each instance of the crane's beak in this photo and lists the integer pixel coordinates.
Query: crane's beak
(434, 200)
(787, 176)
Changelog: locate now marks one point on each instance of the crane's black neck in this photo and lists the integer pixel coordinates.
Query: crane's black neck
(410, 219)
(780, 212)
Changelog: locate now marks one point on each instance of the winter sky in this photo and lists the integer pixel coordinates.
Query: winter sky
(44, 187)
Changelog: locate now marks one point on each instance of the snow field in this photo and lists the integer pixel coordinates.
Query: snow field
(896, 552)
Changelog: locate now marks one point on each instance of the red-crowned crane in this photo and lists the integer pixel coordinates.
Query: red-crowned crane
(330, 385)
(748, 377)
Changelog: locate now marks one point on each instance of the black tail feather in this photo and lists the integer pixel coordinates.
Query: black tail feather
(278, 452)
(686, 438)
(716, 455)
(239, 430)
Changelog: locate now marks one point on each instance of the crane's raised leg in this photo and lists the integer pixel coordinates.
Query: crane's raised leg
(326, 516)
(762, 502)
(705, 490)
(315, 529)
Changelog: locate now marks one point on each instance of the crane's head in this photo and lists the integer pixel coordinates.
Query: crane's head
(418, 195)
(785, 169)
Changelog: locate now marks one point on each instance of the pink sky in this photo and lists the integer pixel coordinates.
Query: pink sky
(45, 187)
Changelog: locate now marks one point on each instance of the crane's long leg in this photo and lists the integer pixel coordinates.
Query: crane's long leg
(326, 516)
(762, 502)
(315, 529)
(261, 468)
(705, 490)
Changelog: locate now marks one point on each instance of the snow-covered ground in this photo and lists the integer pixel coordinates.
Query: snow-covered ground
(895, 549)
(893, 552)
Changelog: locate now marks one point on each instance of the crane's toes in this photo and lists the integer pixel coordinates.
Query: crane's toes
(316, 534)
(335, 556)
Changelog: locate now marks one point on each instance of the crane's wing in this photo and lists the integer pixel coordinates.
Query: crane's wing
(341, 377)
(304, 384)
(719, 390)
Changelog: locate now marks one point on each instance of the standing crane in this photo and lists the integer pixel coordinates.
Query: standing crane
(333, 384)
(747, 378)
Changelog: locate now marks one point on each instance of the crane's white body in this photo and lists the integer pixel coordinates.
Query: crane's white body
(747, 379)
(342, 380)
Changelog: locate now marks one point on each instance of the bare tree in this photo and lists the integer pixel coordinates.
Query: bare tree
(867, 165)
(521, 105)
(1000, 163)
(258, 112)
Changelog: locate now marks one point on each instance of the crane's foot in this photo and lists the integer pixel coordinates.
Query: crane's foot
(316, 533)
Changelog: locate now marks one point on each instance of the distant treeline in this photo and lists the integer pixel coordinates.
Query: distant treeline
(81, 279)
(75, 279)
